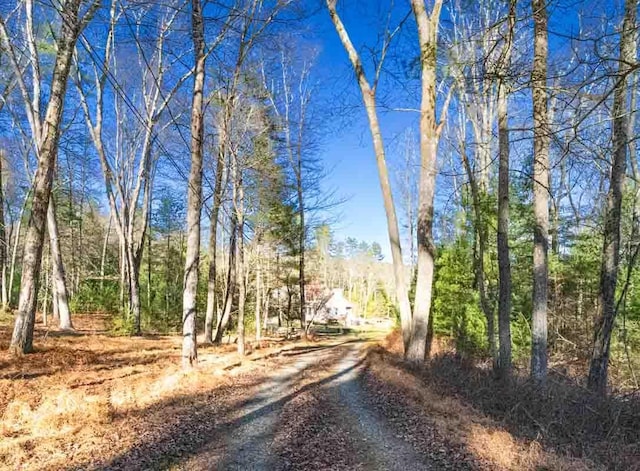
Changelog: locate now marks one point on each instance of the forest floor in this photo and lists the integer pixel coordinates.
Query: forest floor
(92, 401)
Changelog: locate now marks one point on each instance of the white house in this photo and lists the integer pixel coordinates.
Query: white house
(337, 309)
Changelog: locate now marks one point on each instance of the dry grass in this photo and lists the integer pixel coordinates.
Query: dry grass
(514, 426)
(86, 391)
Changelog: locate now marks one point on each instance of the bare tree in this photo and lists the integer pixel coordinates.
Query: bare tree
(607, 308)
(72, 25)
(504, 263)
(481, 52)
(254, 19)
(4, 299)
(540, 192)
(128, 171)
(5, 289)
(33, 105)
(430, 131)
(368, 90)
(290, 98)
(194, 204)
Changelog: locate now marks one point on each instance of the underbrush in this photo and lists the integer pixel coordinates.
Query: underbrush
(563, 418)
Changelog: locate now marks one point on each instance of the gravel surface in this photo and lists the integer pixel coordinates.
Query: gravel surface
(313, 409)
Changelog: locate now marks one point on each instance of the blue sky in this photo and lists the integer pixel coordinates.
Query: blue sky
(348, 152)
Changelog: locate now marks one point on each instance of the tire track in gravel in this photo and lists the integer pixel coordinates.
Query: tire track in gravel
(317, 411)
(244, 441)
(335, 427)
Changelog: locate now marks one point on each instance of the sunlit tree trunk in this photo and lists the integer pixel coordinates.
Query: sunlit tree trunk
(258, 310)
(194, 191)
(540, 193)
(369, 98)
(223, 321)
(129, 176)
(607, 308)
(4, 299)
(242, 286)
(58, 281)
(22, 338)
(14, 250)
(213, 244)
(429, 136)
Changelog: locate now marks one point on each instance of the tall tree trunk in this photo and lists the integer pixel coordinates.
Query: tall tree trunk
(479, 251)
(429, 133)
(242, 286)
(59, 281)
(504, 264)
(540, 193)
(369, 99)
(223, 321)
(22, 338)
(598, 370)
(258, 294)
(4, 299)
(194, 208)
(301, 248)
(103, 257)
(45, 301)
(16, 242)
(213, 240)
(133, 272)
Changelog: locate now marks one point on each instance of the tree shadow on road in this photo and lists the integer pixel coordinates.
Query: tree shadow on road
(303, 349)
(180, 436)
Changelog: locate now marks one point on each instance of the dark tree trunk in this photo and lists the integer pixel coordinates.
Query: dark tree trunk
(598, 370)
(504, 264)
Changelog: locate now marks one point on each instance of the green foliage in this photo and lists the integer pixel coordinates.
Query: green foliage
(455, 305)
(121, 325)
(96, 297)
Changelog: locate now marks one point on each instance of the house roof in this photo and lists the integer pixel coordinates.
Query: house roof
(338, 300)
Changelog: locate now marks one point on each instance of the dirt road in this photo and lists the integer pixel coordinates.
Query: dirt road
(312, 410)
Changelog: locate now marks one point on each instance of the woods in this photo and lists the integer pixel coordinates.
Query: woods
(244, 172)
(260, 86)
(254, 106)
